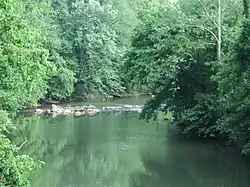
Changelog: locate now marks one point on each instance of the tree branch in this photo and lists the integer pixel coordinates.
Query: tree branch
(22, 145)
(204, 28)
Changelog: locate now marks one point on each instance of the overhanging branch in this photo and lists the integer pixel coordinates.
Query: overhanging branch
(204, 28)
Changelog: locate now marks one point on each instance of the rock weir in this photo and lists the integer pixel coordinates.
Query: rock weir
(87, 110)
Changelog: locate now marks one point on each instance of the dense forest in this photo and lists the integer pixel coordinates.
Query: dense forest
(193, 55)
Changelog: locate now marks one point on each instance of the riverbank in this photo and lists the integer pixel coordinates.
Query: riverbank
(100, 99)
(45, 103)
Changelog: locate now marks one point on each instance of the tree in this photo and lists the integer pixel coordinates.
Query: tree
(174, 58)
(95, 47)
(233, 79)
(24, 67)
(42, 15)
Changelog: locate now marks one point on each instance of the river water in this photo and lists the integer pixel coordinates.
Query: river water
(118, 150)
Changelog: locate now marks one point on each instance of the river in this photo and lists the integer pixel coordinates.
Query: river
(118, 150)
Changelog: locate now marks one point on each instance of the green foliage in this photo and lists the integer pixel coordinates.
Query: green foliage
(42, 15)
(61, 85)
(92, 37)
(233, 79)
(24, 69)
(96, 49)
(173, 54)
(5, 4)
(23, 62)
(145, 59)
(51, 49)
(59, 49)
(14, 168)
(125, 21)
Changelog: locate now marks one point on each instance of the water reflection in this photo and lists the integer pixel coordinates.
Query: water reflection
(120, 151)
(193, 165)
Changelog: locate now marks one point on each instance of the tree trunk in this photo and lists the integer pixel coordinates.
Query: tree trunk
(219, 32)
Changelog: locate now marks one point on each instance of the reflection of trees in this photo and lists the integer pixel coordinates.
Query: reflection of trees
(42, 135)
(193, 165)
(105, 151)
(100, 150)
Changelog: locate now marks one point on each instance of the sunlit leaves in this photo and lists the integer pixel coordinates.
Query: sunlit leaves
(23, 62)
(23, 72)
(96, 49)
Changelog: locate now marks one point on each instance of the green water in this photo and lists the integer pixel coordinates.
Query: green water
(118, 150)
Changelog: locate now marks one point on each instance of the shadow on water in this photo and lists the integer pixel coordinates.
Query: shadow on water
(188, 164)
(118, 150)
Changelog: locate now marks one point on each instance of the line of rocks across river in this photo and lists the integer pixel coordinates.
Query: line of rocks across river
(87, 110)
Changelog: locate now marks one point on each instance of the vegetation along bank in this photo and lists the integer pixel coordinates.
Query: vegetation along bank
(193, 55)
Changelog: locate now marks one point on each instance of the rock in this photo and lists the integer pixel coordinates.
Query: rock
(60, 111)
(105, 109)
(138, 106)
(39, 111)
(80, 109)
(67, 111)
(139, 110)
(54, 115)
(53, 108)
(92, 111)
(56, 109)
(91, 106)
(78, 113)
(127, 106)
